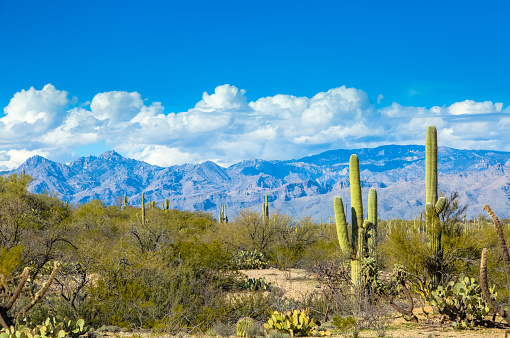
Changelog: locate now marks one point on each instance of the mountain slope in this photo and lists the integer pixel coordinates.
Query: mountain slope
(302, 187)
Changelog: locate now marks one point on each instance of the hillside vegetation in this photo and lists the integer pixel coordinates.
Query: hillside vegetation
(178, 272)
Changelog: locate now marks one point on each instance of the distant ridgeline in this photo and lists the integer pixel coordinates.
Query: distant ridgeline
(303, 187)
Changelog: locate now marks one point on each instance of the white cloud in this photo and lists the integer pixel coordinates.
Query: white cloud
(116, 106)
(163, 156)
(396, 110)
(281, 106)
(33, 112)
(225, 127)
(469, 107)
(10, 159)
(224, 97)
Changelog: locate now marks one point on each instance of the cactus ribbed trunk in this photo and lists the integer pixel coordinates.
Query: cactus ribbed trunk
(143, 208)
(431, 165)
(372, 218)
(355, 271)
(433, 222)
(356, 203)
(267, 207)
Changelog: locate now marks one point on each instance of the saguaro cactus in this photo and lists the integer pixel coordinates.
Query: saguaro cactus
(431, 165)
(125, 200)
(434, 206)
(265, 209)
(143, 208)
(355, 248)
(223, 214)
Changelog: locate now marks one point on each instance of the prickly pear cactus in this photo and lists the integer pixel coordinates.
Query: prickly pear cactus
(246, 260)
(51, 328)
(461, 302)
(295, 322)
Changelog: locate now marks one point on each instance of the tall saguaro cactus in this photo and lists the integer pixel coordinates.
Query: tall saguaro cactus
(431, 165)
(372, 218)
(125, 199)
(143, 208)
(355, 248)
(223, 214)
(434, 206)
(265, 209)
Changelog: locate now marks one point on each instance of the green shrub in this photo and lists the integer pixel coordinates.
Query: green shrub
(222, 329)
(344, 323)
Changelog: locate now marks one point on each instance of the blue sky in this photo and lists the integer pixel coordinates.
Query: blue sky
(282, 79)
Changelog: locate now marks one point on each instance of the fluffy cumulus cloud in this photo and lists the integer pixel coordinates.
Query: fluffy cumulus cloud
(226, 127)
(33, 112)
(116, 106)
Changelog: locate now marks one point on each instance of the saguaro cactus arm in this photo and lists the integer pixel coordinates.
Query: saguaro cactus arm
(341, 227)
(372, 218)
(356, 202)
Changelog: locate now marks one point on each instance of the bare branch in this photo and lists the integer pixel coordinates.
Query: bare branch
(41, 292)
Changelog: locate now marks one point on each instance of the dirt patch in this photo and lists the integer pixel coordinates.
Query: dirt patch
(298, 283)
(295, 283)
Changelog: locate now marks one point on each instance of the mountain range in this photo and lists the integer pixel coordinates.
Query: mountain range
(302, 187)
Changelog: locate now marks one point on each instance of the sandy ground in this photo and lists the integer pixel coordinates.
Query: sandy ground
(302, 283)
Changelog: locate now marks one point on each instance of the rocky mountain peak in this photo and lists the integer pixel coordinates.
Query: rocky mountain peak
(302, 187)
(111, 155)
